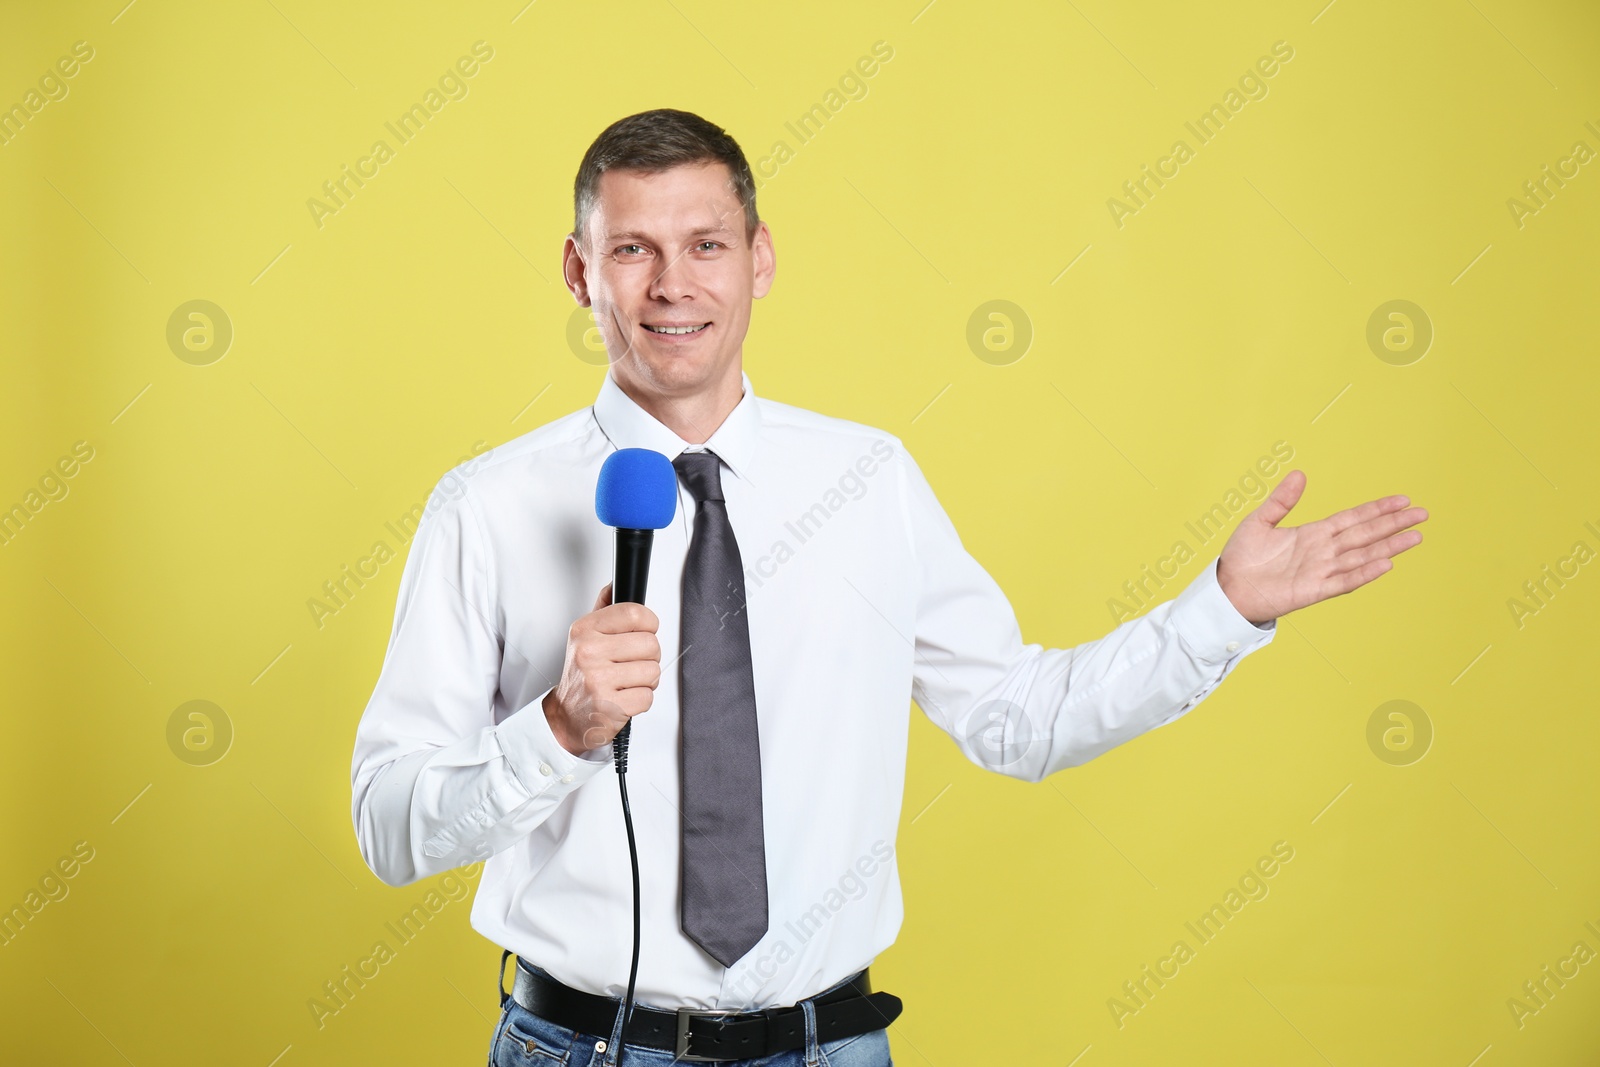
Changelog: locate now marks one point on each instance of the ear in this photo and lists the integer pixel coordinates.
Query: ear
(575, 270)
(766, 262)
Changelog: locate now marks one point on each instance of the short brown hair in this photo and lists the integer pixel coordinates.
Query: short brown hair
(654, 141)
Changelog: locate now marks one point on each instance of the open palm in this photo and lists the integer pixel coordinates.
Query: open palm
(1268, 570)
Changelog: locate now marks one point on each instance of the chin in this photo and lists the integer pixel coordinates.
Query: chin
(671, 371)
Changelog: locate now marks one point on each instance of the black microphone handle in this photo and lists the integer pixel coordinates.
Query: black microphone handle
(633, 566)
(627, 587)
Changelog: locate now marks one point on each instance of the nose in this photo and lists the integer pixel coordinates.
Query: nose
(674, 283)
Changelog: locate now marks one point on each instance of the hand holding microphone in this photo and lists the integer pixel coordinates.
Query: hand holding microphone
(612, 667)
(613, 660)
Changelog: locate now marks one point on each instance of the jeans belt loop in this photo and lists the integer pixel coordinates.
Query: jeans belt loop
(809, 1007)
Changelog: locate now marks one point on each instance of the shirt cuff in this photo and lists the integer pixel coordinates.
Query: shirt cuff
(1211, 626)
(537, 758)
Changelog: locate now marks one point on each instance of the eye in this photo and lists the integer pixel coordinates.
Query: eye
(630, 249)
(706, 246)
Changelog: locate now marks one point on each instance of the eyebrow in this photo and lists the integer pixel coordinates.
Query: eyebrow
(700, 232)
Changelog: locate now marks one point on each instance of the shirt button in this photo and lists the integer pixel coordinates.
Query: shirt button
(1233, 646)
(565, 778)
(544, 768)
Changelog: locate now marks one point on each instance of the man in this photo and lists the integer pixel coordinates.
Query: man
(808, 585)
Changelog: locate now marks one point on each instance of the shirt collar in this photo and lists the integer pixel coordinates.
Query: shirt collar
(630, 426)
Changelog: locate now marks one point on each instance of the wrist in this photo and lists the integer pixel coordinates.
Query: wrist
(553, 714)
(1247, 602)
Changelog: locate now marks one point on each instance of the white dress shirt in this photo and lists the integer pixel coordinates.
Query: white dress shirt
(859, 599)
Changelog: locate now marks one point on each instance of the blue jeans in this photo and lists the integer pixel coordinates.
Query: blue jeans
(523, 1039)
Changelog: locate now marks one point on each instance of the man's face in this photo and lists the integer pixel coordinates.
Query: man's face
(669, 271)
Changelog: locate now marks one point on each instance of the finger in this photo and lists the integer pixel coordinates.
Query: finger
(1385, 549)
(624, 618)
(604, 598)
(635, 701)
(1376, 529)
(1340, 584)
(633, 646)
(639, 674)
(1283, 498)
(1343, 520)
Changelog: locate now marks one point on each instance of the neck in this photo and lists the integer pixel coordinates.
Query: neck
(692, 416)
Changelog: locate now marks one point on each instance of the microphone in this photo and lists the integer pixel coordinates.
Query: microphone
(637, 495)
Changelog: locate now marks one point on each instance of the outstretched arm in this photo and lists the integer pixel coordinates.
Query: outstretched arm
(1027, 711)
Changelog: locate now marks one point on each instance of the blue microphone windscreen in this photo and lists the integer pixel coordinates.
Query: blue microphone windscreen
(638, 490)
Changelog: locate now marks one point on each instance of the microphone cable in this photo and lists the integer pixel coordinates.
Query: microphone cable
(619, 752)
(636, 495)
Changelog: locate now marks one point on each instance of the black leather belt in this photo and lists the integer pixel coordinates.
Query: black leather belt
(851, 1009)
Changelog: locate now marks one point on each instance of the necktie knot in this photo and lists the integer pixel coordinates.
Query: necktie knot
(701, 473)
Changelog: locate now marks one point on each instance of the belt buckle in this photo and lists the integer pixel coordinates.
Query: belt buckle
(681, 1047)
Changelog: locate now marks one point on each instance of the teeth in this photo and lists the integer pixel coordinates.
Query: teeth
(677, 329)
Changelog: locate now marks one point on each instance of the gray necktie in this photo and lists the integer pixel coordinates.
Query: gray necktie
(724, 854)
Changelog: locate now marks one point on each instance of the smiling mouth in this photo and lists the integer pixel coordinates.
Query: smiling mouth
(675, 331)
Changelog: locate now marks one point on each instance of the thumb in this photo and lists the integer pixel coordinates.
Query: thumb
(604, 599)
(1283, 498)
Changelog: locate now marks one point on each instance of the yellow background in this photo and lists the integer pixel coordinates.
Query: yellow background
(1229, 313)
